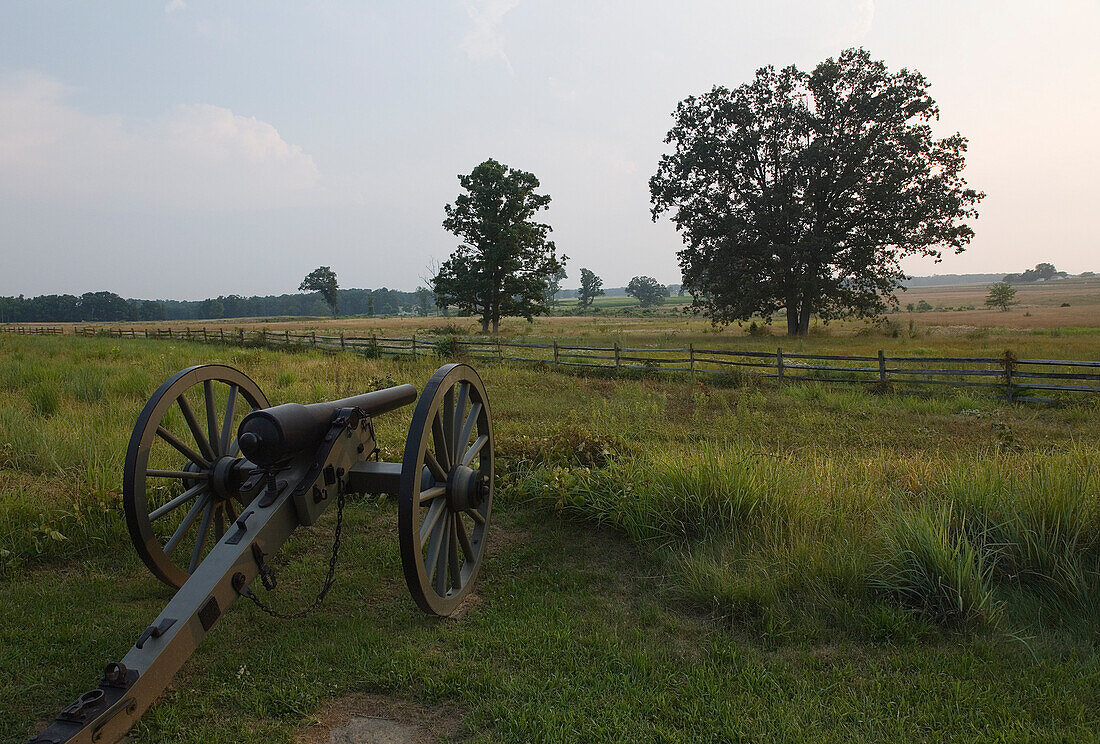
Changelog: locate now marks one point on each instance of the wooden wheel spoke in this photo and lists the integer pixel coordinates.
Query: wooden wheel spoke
(445, 549)
(476, 516)
(430, 519)
(219, 522)
(468, 426)
(182, 448)
(231, 511)
(459, 417)
(431, 562)
(447, 414)
(211, 416)
(193, 425)
(453, 563)
(181, 530)
(434, 467)
(432, 493)
(200, 538)
(178, 501)
(227, 421)
(442, 454)
(464, 539)
(475, 448)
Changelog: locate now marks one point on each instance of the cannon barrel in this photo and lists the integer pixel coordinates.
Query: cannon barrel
(272, 435)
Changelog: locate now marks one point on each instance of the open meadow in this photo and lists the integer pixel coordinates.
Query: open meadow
(670, 560)
(1058, 319)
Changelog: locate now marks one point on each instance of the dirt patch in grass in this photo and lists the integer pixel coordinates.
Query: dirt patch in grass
(502, 538)
(366, 718)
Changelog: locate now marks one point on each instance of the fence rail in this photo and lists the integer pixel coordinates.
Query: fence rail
(1016, 379)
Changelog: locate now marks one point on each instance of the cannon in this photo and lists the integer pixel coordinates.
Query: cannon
(215, 481)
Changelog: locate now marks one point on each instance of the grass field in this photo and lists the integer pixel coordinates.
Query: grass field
(1054, 319)
(671, 561)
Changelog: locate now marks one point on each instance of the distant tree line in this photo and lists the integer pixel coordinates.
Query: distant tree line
(90, 306)
(108, 307)
(1041, 273)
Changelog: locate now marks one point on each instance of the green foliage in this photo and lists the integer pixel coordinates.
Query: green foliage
(323, 280)
(647, 290)
(506, 262)
(845, 154)
(1041, 272)
(591, 288)
(1002, 295)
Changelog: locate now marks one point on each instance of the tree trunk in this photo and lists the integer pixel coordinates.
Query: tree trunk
(804, 319)
(792, 320)
(485, 323)
(798, 318)
(496, 325)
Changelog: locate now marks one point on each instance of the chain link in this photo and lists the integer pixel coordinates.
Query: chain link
(249, 594)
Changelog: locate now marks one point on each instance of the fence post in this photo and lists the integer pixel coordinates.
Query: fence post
(263, 338)
(341, 340)
(313, 337)
(555, 352)
(286, 337)
(691, 359)
(1009, 362)
(414, 345)
(779, 363)
(204, 334)
(881, 366)
(618, 359)
(500, 352)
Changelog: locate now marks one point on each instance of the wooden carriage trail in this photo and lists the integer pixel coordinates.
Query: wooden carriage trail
(1015, 378)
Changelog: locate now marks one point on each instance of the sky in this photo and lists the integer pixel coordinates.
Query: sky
(189, 148)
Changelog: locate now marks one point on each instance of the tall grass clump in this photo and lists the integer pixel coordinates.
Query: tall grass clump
(1037, 520)
(663, 501)
(930, 566)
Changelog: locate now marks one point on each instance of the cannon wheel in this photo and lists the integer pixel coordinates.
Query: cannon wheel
(446, 490)
(168, 481)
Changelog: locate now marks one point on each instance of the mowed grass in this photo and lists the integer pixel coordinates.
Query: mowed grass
(673, 561)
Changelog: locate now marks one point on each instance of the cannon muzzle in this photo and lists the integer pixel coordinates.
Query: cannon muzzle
(273, 435)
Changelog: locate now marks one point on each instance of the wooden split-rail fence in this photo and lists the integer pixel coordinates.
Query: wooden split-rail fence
(1013, 377)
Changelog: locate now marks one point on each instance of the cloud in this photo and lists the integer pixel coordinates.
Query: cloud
(174, 6)
(483, 40)
(192, 157)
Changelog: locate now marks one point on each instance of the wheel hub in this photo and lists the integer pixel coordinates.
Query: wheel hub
(224, 478)
(466, 488)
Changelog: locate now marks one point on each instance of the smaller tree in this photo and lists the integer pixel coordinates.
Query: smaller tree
(647, 290)
(323, 280)
(591, 288)
(553, 284)
(423, 300)
(1002, 295)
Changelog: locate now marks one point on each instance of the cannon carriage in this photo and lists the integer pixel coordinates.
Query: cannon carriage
(216, 480)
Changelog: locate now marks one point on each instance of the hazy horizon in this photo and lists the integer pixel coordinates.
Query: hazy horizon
(187, 149)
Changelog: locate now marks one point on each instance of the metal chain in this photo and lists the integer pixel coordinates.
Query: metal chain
(249, 594)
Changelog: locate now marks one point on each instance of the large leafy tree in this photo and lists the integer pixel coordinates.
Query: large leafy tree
(506, 262)
(591, 288)
(323, 280)
(647, 290)
(802, 191)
